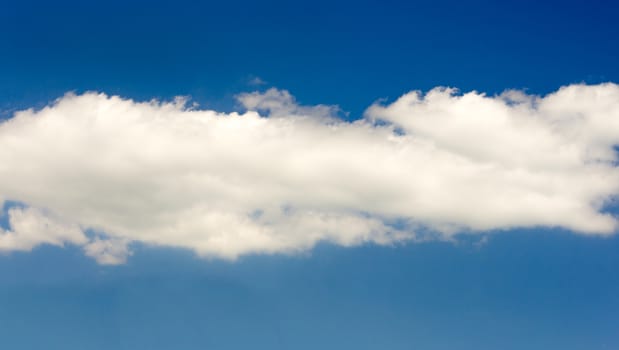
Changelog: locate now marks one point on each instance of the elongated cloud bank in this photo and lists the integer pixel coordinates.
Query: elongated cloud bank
(102, 172)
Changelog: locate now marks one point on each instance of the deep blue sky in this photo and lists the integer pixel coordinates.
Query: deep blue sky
(529, 289)
(346, 53)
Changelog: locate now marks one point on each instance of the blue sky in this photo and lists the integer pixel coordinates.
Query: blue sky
(491, 285)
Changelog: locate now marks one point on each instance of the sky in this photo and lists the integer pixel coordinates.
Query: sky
(276, 175)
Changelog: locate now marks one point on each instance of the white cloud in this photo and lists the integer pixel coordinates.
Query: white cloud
(225, 185)
(276, 103)
(256, 81)
(31, 227)
(110, 251)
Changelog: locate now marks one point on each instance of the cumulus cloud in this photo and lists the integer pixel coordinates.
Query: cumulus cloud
(281, 177)
(30, 227)
(110, 251)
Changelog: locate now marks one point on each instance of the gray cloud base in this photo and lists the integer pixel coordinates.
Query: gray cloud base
(281, 177)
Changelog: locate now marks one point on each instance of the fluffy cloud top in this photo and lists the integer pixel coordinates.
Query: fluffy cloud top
(282, 177)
